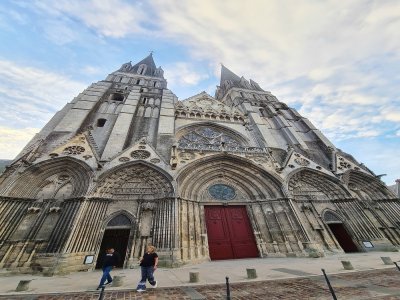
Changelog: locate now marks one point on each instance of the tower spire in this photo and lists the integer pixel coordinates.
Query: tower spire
(227, 74)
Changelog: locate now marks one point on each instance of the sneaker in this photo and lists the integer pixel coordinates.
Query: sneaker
(155, 284)
(140, 290)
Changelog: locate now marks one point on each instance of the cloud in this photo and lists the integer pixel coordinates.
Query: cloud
(183, 74)
(29, 98)
(110, 18)
(13, 140)
(323, 57)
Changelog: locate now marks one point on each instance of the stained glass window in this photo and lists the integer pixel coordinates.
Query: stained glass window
(222, 192)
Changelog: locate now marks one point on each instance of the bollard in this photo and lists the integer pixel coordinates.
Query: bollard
(23, 286)
(194, 277)
(347, 265)
(118, 281)
(387, 260)
(398, 267)
(329, 285)
(251, 273)
(101, 295)
(228, 290)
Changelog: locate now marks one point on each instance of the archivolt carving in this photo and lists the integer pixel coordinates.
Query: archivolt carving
(368, 187)
(56, 178)
(249, 181)
(209, 137)
(135, 181)
(330, 217)
(312, 185)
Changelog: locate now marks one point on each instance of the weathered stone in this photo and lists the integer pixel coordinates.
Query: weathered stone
(194, 277)
(23, 285)
(347, 265)
(387, 260)
(125, 164)
(251, 273)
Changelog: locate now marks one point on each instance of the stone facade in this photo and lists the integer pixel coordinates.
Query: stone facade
(125, 162)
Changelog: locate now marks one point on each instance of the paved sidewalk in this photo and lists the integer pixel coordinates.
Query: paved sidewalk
(212, 273)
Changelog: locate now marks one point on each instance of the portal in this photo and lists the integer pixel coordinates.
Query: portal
(229, 233)
(117, 239)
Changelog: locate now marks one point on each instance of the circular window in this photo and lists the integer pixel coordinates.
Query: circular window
(222, 192)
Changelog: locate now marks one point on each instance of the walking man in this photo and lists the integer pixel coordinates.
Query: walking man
(110, 261)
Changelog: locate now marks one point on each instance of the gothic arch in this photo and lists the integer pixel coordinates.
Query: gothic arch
(116, 214)
(218, 129)
(249, 181)
(49, 177)
(134, 181)
(368, 187)
(331, 217)
(307, 184)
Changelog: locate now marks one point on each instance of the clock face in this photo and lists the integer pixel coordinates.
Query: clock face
(222, 192)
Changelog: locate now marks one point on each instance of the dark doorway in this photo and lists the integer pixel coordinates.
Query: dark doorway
(229, 233)
(117, 239)
(343, 237)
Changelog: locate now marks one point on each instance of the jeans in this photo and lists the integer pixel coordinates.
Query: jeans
(106, 275)
(147, 274)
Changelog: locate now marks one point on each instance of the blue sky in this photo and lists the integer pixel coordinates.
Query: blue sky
(338, 64)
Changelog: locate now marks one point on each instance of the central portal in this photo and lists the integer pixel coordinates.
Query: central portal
(229, 233)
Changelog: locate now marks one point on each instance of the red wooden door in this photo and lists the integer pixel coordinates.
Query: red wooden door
(229, 233)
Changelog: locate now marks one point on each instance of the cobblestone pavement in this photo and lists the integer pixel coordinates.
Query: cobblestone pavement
(373, 284)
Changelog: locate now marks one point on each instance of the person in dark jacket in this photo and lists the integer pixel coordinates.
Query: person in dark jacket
(110, 261)
(148, 264)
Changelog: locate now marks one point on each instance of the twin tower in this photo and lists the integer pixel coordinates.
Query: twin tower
(241, 174)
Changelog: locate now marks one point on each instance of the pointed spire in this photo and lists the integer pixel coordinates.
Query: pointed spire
(149, 61)
(227, 74)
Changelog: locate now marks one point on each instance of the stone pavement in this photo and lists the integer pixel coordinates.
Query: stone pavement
(278, 278)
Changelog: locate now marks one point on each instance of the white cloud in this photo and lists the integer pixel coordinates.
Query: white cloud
(111, 18)
(322, 56)
(13, 140)
(183, 74)
(29, 98)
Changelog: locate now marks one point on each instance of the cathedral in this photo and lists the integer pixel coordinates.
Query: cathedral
(237, 175)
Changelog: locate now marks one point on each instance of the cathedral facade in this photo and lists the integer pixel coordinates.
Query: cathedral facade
(238, 175)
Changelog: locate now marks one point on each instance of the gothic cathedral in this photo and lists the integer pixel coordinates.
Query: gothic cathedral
(238, 175)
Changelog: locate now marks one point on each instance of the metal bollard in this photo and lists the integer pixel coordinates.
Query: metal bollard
(228, 291)
(329, 285)
(101, 296)
(398, 267)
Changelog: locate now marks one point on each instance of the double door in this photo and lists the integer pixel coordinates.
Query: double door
(229, 233)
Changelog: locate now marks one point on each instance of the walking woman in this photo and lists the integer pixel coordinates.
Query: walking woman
(148, 264)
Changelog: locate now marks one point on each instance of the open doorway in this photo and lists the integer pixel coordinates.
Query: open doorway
(340, 232)
(115, 236)
(343, 237)
(117, 239)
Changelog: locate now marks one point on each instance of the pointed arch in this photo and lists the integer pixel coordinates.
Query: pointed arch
(133, 181)
(368, 187)
(250, 181)
(52, 175)
(307, 184)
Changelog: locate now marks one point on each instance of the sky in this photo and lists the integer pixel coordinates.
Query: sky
(336, 62)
